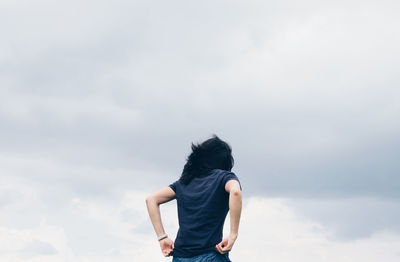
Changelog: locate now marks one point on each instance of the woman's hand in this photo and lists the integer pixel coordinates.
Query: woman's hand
(226, 245)
(167, 246)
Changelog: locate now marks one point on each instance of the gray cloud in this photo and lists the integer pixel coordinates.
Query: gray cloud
(96, 99)
(351, 218)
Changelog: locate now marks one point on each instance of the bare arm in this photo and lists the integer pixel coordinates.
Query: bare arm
(235, 209)
(235, 205)
(153, 203)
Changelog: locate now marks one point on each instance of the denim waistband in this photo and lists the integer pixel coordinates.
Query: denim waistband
(208, 257)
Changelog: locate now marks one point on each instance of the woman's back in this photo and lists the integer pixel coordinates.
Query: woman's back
(202, 208)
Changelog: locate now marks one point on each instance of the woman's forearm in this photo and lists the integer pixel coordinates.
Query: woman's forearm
(235, 209)
(153, 203)
(154, 212)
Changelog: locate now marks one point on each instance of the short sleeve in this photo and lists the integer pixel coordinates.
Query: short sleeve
(173, 186)
(230, 176)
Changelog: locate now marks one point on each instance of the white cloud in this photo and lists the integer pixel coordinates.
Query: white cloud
(270, 231)
(41, 243)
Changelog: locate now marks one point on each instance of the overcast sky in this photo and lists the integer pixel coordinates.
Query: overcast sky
(100, 101)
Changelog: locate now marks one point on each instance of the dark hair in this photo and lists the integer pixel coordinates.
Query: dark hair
(211, 154)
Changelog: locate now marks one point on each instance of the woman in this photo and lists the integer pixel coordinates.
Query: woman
(205, 192)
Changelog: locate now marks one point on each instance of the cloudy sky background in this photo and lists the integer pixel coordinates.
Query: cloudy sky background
(100, 100)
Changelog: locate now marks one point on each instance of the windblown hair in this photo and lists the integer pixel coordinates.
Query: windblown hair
(211, 154)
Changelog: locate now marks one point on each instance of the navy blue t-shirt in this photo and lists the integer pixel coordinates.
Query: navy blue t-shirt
(202, 208)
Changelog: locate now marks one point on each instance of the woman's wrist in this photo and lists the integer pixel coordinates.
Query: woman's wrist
(233, 236)
(163, 236)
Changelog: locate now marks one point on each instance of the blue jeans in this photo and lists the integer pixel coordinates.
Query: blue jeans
(208, 257)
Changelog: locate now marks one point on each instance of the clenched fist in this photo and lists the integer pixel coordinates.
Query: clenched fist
(167, 246)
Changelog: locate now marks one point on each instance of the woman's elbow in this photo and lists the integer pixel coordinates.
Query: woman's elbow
(236, 192)
(152, 200)
(149, 200)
